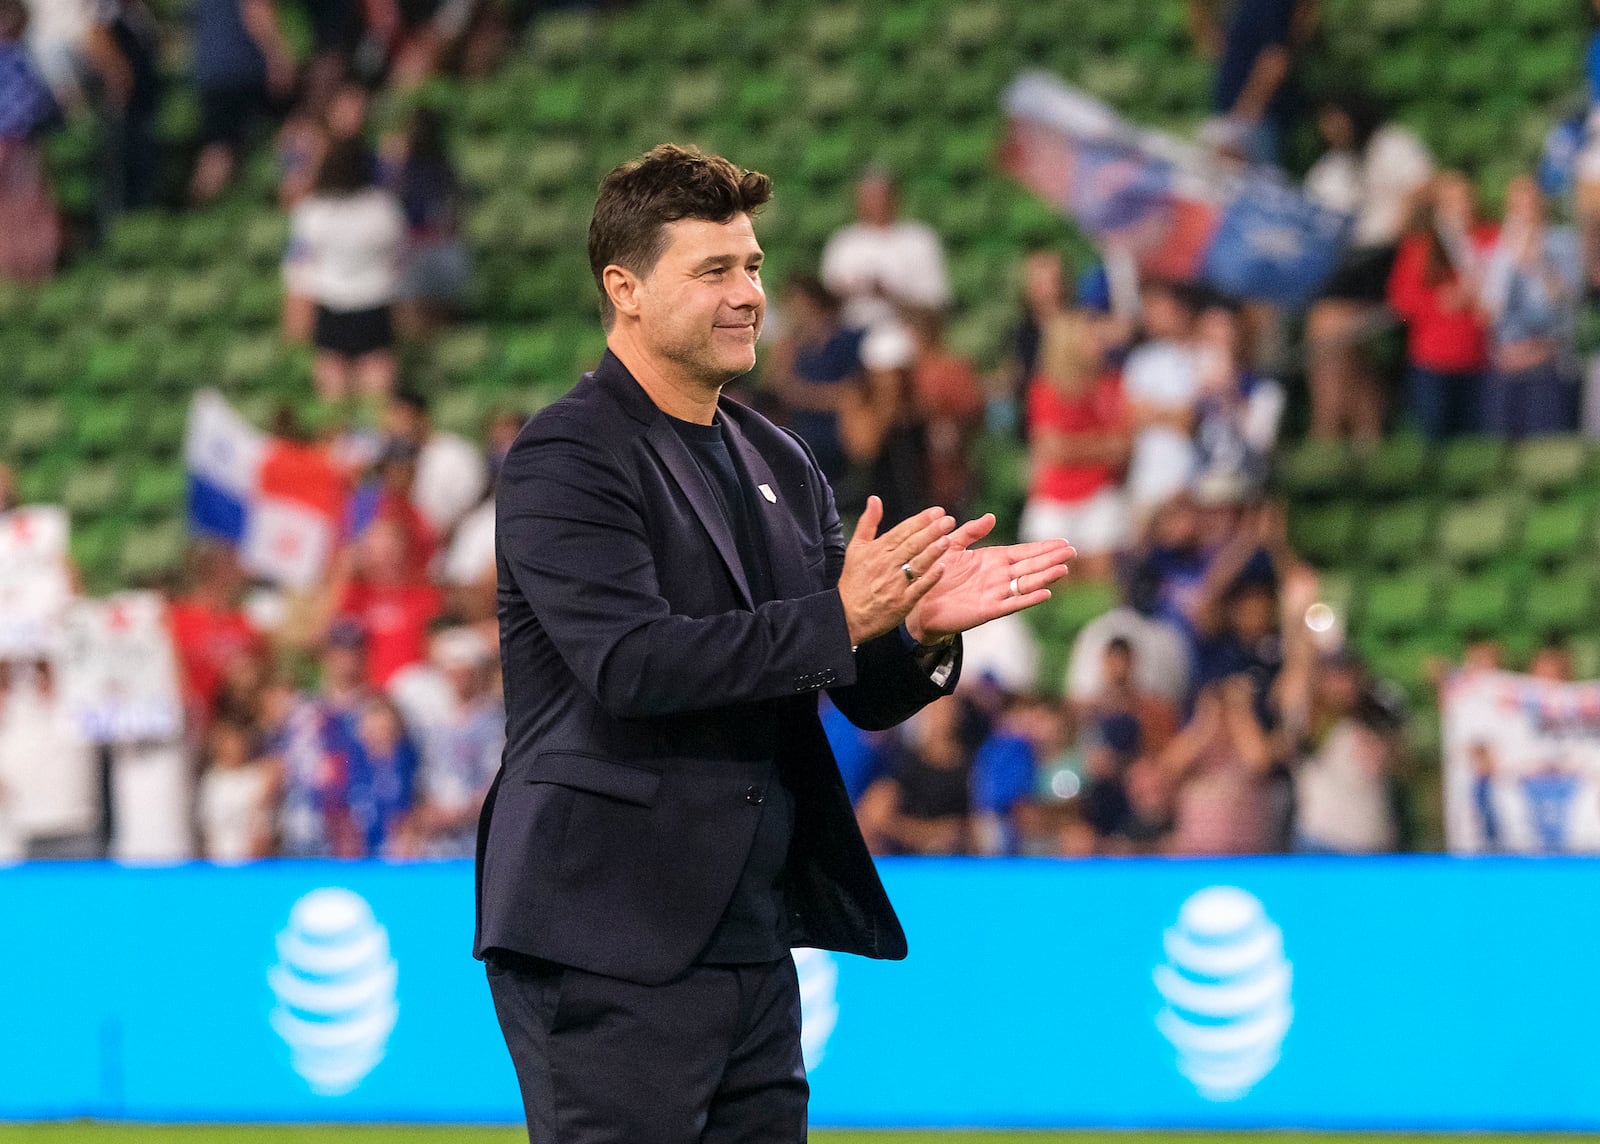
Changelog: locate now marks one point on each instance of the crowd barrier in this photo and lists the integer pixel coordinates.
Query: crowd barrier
(1403, 993)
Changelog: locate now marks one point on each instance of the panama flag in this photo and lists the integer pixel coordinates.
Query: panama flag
(276, 501)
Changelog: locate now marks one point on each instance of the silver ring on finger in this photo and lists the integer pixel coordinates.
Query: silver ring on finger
(1016, 585)
(909, 571)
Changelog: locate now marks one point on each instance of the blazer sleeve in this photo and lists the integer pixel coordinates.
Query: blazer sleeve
(890, 685)
(573, 538)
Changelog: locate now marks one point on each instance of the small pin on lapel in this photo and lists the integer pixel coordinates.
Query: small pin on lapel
(766, 491)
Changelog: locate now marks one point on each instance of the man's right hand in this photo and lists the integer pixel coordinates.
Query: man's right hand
(873, 583)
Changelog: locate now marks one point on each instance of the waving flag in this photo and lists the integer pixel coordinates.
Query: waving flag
(276, 501)
(1166, 202)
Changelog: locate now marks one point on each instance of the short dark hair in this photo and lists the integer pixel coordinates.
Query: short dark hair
(345, 169)
(13, 19)
(665, 184)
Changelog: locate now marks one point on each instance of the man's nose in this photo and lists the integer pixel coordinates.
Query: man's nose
(746, 292)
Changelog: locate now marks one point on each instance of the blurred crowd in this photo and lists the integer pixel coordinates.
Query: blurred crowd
(1213, 709)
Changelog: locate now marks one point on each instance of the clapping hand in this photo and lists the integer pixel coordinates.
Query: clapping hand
(884, 576)
(982, 584)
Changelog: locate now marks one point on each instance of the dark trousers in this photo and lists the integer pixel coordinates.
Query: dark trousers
(710, 1058)
(1530, 402)
(1444, 404)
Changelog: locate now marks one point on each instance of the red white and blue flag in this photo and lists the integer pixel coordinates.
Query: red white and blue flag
(258, 493)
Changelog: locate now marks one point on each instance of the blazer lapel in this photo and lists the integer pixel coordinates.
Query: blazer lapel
(675, 455)
(777, 519)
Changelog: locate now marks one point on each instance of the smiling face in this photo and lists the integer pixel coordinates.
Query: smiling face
(701, 305)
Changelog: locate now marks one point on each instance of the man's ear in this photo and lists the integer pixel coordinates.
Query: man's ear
(622, 287)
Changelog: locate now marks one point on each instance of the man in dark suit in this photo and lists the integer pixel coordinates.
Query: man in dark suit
(675, 589)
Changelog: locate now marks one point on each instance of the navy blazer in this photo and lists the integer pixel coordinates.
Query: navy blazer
(648, 700)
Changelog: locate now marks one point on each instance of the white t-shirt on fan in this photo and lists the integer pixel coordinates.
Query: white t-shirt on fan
(344, 251)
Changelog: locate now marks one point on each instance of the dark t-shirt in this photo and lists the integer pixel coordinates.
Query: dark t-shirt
(754, 927)
(225, 57)
(828, 362)
(1253, 27)
(928, 792)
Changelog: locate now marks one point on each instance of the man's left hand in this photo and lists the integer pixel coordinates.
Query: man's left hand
(982, 584)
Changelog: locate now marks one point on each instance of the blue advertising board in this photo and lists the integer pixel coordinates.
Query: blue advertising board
(1428, 993)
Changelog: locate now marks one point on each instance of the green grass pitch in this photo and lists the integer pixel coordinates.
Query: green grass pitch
(82, 1133)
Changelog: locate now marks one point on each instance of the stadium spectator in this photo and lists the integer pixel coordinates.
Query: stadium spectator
(949, 403)
(1238, 412)
(1377, 172)
(240, 64)
(345, 243)
(49, 782)
(309, 738)
(815, 366)
(1532, 287)
(1161, 652)
(380, 784)
(1079, 443)
(9, 498)
(1342, 776)
(58, 42)
(1435, 289)
(452, 474)
(1552, 662)
(416, 37)
(30, 230)
(375, 586)
(923, 807)
(337, 27)
(437, 272)
(386, 495)
(884, 441)
(210, 628)
(1003, 654)
(864, 757)
(1043, 298)
(1254, 95)
(881, 263)
(311, 130)
(1005, 775)
(461, 752)
(233, 808)
(1161, 382)
(1122, 726)
(124, 50)
(1221, 763)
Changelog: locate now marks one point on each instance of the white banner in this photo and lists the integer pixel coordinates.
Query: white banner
(35, 587)
(119, 671)
(1521, 765)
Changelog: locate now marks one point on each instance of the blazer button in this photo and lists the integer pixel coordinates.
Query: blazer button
(753, 796)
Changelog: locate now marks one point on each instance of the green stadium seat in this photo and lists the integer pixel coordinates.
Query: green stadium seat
(139, 240)
(263, 237)
(1396, 468)
(1471, 465)
(1408, 664)
(93, 489)
(1556, 531)
(832, 30)
(36, 426)
(105, 426)
(158, 490)
(1398, 605)
(1392, 17)
(1562, 602)
(1482, 605)
(1325, 534)
(1071, 607)
(1397, 534)
(1478, 531)
(153, 553)
(564, 37)
(258, 302)
(1585, 651)
(1546, 466)
(1315, 469)
(94, 547)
